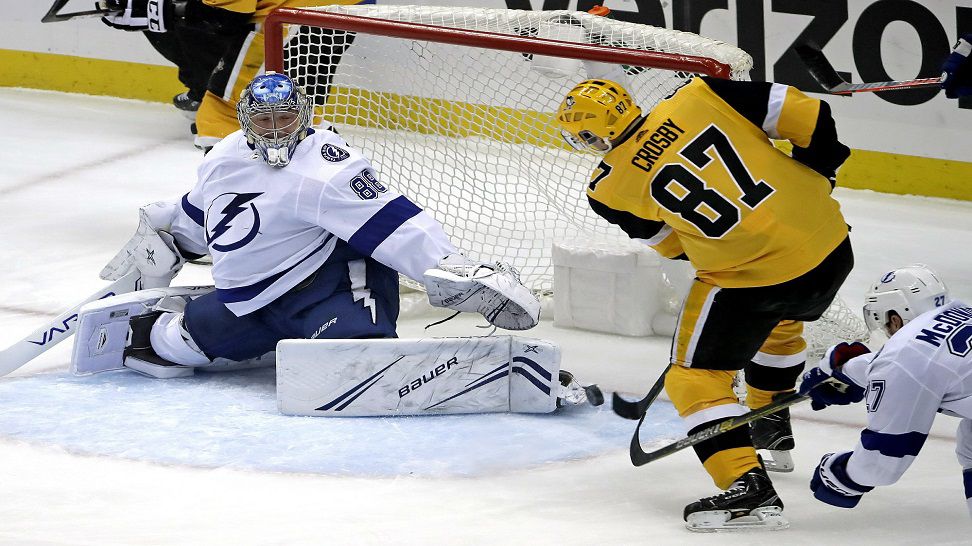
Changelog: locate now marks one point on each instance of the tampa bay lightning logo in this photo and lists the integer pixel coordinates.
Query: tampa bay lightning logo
(334, 154)
(237, 221)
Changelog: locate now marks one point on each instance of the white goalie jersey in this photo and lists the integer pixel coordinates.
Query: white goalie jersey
(923, 370)
(268, 229)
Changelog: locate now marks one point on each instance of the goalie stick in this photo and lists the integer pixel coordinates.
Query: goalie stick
(639, 457)
(61, 327)
(827, 76)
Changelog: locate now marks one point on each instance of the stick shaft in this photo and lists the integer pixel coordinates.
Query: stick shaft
(60, 328)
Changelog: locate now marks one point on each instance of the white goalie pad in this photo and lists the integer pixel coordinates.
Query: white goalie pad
(103, 325)
(377, 377)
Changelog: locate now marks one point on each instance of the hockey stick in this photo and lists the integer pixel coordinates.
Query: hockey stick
(61, 328)
(636, 410)
(53, 15)
(640, 457)
(827, 76)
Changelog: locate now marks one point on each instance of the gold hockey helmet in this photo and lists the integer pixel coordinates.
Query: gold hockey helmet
(595, 113)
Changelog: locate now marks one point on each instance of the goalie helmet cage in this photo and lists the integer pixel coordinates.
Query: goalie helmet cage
(453, 107)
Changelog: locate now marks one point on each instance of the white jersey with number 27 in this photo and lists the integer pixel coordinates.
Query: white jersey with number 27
(924, 369)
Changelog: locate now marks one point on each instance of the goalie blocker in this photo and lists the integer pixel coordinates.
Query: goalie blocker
(379, 377)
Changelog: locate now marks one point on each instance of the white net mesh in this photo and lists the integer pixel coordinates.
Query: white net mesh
(468, 132)
(839, 323)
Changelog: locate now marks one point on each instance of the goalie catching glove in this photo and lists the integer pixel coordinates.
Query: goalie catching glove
(152, 251)
(492, 290)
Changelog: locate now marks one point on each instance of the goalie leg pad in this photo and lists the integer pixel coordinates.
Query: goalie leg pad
(171, 341)
(104, 333)
(436, 376)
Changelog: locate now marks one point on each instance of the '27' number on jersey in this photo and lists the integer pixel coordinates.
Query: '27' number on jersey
(705, 208)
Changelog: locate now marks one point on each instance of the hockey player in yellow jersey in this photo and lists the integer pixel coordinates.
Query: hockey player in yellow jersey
(242, 58)
(698, 178)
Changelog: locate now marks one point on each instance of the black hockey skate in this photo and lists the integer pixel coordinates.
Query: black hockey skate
(572, 393)
(139, 355)
(186, 105)
(750, 503)
(774, 433)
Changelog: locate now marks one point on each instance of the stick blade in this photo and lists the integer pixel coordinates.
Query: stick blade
(626, 408)
(819, 67)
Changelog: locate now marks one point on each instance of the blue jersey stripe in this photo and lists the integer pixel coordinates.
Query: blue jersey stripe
(967, 480)
(893, 445)
(374, 232)
(194, 213)
(246, 293)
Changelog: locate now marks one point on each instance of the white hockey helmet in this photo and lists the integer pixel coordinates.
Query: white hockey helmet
(908, 291)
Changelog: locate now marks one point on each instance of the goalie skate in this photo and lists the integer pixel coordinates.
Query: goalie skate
(749, 504)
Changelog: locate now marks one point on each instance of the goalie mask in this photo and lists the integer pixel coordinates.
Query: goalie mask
(596, 113)
(909, 292)
(274, 114)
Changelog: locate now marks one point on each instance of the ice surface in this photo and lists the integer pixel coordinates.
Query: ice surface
(230, 420)
(74, 171)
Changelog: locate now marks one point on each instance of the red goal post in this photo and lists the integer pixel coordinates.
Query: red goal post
(274, 27)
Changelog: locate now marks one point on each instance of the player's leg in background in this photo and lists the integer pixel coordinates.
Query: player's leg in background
(772, 373)
(201, 50)
(238, 65)
(780, 361)
(718, 333)
(963, 449)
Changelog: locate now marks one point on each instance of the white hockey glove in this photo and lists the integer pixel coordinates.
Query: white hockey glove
(138, 15)
(493, 290)
(151, 251)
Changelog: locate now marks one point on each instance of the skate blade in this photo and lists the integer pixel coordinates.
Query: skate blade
(760, 519)
(779, 461)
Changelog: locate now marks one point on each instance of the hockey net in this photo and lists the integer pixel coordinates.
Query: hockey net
(455, 108)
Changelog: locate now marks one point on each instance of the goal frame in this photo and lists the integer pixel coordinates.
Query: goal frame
(274, 40)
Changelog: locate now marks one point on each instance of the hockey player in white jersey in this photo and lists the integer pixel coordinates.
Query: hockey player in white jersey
(925, 368)
(306, 241)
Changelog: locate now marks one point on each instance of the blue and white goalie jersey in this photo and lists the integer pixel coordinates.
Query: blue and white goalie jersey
(268, 229)
(925, 368)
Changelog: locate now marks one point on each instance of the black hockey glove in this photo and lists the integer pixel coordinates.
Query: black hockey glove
(139, 15)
